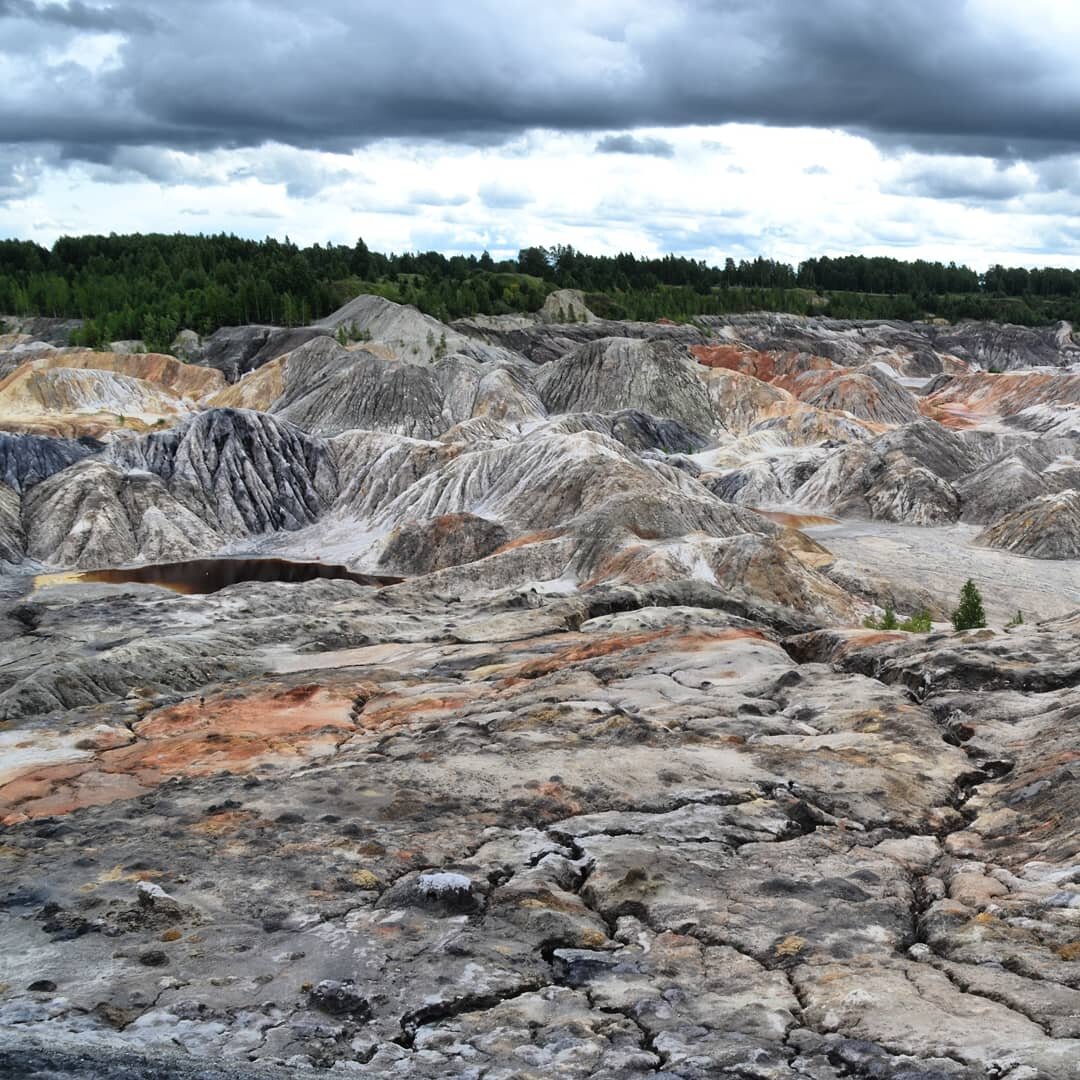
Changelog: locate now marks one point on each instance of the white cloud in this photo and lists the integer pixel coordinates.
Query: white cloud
(548, 188)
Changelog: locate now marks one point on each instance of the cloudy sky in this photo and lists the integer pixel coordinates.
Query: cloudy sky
(934, 128)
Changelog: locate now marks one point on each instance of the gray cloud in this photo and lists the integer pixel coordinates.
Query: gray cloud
(78, 16)
(504, 197)
(631, 144)
(962, 180)
(19, 174)
(338, 73)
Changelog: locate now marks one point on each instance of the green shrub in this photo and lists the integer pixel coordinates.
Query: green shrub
(919, 623)
(1017, 619)
(888, 621)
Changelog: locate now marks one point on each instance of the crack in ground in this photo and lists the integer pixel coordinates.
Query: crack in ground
(411, 1022)
(999, 999)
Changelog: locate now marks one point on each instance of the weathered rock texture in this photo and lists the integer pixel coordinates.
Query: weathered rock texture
(78, 392)
(614, 784)
(628, 833)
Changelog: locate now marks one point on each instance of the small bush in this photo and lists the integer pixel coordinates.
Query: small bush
(1017, 619)
(919, 623)
(888, 621)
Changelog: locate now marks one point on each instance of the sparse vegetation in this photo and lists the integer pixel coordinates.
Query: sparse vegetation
(888, 621)
(969, 615)
(347, 335)
(918, 623)
(1016, 620)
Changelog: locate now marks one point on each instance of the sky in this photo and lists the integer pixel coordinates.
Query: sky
(943, 129)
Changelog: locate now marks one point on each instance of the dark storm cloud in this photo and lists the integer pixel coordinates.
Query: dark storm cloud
(78, 16)
(631, 144)
(338, 73)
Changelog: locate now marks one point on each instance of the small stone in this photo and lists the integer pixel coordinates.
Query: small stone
(1070, 951)
(365, 879)
(792, 945)
(153, 958)
(339, 999)
(148, 893)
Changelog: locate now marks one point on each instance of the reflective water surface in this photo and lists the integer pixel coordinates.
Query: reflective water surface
(198, 576)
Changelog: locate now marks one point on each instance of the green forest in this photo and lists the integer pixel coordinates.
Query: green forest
(151, 286)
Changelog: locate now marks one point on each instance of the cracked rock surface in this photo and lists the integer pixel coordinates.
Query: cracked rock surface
(629, 832)
(604, 776)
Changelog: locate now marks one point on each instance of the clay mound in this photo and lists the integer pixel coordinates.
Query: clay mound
(420, 547)
(1060, 421)
(242, 472)
(1006, 347)
(375, 468)
(237, 350)
(752, 566)
(859, 482)
(542, 343)
(186, 380)
(535, 483)
(769, 366)
(583, 486)
(636, 430)
(26, 460)
(977, 398)
(625, 373)
(947, 453)
(807, 426)
(869, 394)
(765, 482)
(95, 515)
(327, 389)
(1000, 488)
(905, 347)
(566, 306)
(87, 392)
(1048, 527)
(741, 400)
(413, 335)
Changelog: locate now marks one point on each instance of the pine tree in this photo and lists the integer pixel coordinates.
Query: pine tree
(969, 615)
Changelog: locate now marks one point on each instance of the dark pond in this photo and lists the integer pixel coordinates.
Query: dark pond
(198, 576)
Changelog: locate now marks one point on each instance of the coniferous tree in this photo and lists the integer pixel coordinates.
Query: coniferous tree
(969, 615)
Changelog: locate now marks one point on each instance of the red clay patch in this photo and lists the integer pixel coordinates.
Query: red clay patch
(198, 737)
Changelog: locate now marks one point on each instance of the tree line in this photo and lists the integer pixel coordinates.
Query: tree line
(151, 286)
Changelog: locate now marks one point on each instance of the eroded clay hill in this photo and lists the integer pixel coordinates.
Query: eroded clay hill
(611, 782)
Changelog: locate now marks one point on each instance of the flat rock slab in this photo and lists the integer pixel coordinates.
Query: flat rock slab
(614, 834)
